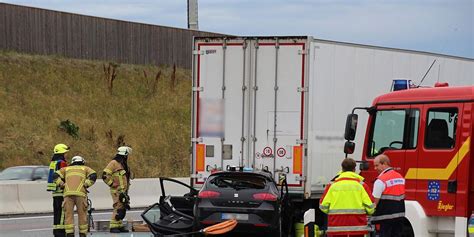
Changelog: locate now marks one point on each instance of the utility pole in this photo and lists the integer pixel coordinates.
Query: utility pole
(193, 15)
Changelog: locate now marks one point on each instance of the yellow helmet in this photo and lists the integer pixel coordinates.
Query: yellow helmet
(60, 149)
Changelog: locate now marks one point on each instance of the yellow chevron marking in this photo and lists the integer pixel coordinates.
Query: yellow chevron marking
(440, 173)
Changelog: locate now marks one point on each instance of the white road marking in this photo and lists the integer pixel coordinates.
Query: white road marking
(37, 229)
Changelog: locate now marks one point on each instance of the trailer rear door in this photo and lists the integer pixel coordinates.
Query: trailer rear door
(279, 109)
(248, 106)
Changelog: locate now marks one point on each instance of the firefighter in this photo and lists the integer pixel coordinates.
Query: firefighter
(347, 203)
(389, 194)
(58, 161)
(75, 180)
(117, 176)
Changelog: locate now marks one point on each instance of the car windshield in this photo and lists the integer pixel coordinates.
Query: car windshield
(239, 182)
(16, 173)
(41, 173)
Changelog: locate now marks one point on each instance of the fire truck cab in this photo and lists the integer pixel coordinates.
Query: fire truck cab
(426, 133)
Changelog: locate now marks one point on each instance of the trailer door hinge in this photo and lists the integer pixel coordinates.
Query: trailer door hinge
(198, 52)
(301, 141)
(302, 52)
(198, 88)
(196, 139)
(301, 89)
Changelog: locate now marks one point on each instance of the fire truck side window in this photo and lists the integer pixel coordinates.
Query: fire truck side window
(388, 131)
(395, 130)
(441, 128)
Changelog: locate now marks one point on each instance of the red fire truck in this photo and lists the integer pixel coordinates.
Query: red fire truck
(426, 132)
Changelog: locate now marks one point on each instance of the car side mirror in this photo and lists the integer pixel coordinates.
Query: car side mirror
(351, 127)
(349, 147)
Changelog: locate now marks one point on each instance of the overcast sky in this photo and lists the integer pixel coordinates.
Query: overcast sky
(439, 26)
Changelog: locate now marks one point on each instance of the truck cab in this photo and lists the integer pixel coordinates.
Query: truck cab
(426, 133)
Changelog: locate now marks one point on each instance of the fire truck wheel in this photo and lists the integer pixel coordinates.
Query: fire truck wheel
(407, 230)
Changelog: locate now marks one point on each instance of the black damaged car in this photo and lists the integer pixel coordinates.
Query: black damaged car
(251, 198)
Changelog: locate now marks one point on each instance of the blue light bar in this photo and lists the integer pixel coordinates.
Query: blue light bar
(400, 84)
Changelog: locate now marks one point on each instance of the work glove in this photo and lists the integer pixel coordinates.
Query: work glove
(125, 199)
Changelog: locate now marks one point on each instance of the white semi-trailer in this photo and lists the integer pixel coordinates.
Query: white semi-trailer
(280, 103)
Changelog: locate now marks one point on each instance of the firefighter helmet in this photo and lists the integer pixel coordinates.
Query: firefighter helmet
(124, 150)
(78, 159)
(60, 149)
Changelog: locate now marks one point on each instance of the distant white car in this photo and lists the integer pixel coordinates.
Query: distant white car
(25, 173)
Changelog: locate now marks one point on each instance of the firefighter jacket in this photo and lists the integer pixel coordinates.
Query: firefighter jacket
(56, 164)
(392, 202)
(347, 204)
(115, 176)
(76, 179)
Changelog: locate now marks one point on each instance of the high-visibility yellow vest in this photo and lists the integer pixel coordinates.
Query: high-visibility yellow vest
(52, 186)
(470, 227)
(347, 204)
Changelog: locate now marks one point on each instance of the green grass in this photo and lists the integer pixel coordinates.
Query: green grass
(38, 92)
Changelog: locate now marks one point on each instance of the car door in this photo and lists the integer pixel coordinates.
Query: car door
(183, 203)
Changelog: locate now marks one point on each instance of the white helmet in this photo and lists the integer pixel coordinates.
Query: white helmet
(124, 150)
(78, 159)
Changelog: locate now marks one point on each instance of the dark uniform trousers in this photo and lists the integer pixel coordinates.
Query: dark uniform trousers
(58, 219)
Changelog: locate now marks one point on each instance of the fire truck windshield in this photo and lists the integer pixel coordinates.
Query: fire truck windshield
(389, 128)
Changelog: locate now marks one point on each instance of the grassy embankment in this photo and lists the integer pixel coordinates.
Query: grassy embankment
(38, 92)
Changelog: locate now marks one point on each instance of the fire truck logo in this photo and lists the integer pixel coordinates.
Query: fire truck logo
(445, 206)
(433, 190)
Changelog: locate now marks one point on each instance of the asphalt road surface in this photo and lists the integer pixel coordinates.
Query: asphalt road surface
(41, 225)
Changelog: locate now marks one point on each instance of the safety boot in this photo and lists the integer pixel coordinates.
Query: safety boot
(114, 230)
(70, 235)
(82, 235)
(59, 233)
(123, 229)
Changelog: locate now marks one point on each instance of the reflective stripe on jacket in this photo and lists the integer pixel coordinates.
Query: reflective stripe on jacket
(347, 204)
(115, 177)
(75, 179)
(53, 167)
(392, 202)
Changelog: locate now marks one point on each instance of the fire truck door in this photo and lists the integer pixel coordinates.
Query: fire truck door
(436, 173)
(412, 143)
